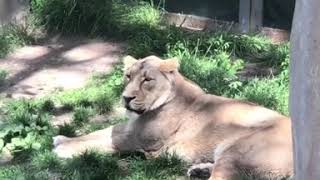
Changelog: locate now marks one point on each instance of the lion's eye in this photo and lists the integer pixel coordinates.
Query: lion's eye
(128, 76)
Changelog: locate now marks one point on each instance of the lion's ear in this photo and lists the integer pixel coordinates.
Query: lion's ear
(169, 65)
(128, 61)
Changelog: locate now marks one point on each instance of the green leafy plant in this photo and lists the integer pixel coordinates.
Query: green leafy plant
(114, 17)
(24, 125)
(215, 74)
(271, 93)
(13, 36)
(81, 115)
(68, 130)
(3, 76)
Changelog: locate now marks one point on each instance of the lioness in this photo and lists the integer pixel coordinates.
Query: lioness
(174, 115)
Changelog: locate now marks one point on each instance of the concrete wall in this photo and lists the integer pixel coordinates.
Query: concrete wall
(199, 23)
(276, 13)
(13, 10)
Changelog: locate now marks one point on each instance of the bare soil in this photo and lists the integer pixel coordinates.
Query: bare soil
(57, 64)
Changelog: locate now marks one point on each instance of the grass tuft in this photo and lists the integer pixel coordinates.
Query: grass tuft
(46, 160)
(113, 17)
(163, 167)
(3, 76)
(68, 130)
(13, 36)
(81, 115)
(271, 93)
(93, 165)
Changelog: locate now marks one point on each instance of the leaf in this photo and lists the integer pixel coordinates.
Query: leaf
(10, 146)
(3, 134)
(16, 128)
(30, 138)
(36, 146)
(28, 129)
(1, 144)
(18, 141)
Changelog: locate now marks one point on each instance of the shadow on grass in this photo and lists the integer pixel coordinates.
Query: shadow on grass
(92, 165)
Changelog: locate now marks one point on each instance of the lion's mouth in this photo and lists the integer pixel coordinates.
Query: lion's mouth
(138, 111)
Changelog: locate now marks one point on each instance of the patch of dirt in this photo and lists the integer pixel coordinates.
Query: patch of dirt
(61, 119)
(256, 69)
(57, 64)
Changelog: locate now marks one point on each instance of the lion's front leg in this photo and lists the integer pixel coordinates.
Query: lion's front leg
(100, 140)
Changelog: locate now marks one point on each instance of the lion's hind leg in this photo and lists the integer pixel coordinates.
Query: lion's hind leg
(224, 169)
(202, 170)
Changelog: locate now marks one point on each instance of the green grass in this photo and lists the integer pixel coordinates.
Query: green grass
(113, 17)
(213, 63)
(215, 73)
(81, 115)
(92, 165)
(3, 76)
(272, 93)
(13, 36)
(100, 94)
(212, 60)
(26, 127)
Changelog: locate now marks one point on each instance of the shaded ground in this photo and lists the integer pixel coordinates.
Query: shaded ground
(256, 69)
(57, 64)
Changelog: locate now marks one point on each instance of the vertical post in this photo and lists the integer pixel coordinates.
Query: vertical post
(256, 16)
(250, 15)
(305, 89)
(244, 15)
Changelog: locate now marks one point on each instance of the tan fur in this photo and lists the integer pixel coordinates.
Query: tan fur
(128, 61)
(178, 117)
(169, 65)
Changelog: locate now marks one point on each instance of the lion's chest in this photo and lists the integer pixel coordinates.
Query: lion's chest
(148, 140)
(152, 135)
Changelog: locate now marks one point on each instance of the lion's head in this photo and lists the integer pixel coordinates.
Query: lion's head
(149, 83)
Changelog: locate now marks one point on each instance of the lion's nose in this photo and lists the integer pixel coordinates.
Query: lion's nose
(128, 99)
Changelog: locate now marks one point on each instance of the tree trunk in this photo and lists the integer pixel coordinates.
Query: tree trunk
(305, 89)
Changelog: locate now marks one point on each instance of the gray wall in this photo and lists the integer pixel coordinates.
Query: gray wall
(276, 13)
(216, 9)
(12, 10)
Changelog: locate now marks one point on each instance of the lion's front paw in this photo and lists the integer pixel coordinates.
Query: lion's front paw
(62, 147)
(64, 151)
(59, 140)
